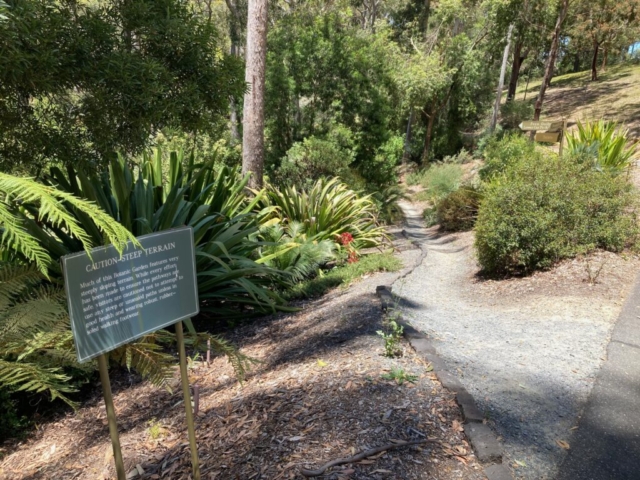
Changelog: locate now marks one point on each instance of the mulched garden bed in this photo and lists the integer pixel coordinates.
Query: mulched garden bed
(317, 395)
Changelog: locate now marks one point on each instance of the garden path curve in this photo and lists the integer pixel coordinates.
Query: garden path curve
(530, 360)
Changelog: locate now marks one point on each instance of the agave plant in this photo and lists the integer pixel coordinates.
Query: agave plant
(326, 210)
(225, 221)
(36, 344)
(603, 142)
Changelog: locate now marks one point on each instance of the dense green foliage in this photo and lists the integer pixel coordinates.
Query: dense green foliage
(146, 199)
(503, 151)
(323, 72)
(79, 80)
(550, 208)
(39, 224)
(327, 210)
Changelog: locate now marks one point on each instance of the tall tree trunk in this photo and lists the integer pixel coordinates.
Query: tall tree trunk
(551, 61)
(253, 113)
(427, 138)
(576, 62)
(424, 20)
(526, 87)
(518, 59)
(594, 61)
(407, 138)
(233, 109)
(503, 70)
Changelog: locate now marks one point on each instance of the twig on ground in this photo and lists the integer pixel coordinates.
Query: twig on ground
(363, 455)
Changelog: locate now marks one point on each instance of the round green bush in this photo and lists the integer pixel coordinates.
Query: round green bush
(458, 211)
(541, 211)
(502, 152)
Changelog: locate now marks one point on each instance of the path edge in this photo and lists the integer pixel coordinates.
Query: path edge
(483, 440)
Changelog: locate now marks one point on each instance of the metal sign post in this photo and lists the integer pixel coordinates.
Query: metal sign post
(116, 298)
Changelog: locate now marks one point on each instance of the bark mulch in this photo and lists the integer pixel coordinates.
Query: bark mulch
(317, 395)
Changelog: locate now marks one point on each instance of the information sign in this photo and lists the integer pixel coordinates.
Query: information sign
(541, 126)
(114, 299)
(547, 137)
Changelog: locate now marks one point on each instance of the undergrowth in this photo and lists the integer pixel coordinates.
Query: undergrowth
(344, 275)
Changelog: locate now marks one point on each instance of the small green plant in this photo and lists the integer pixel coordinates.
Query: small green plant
(400, 376)
(156, 430)
(392, 338)
(439, 180)
(460, 158)
(604, 143)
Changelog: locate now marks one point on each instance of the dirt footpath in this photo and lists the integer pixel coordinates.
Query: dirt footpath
(528, 349)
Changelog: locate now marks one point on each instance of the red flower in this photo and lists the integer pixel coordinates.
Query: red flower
(345, 238)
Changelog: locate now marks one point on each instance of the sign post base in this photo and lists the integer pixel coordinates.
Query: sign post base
(111, 416)
(187, 402)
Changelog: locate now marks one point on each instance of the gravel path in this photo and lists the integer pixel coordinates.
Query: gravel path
(529, 361)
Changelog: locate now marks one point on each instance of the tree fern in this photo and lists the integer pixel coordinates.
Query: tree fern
(53, 206)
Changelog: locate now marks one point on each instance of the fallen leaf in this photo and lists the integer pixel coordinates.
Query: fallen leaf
(322, 363)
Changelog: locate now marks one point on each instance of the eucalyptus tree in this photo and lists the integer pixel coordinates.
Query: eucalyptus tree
(253, 112)
(563, 9)
(605, 25)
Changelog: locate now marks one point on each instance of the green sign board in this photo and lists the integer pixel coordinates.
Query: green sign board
(114, 299)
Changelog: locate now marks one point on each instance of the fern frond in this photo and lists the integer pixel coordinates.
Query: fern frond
(51, 208)
(147, 358)
(14, 279)
(31, 377)
(37, 310)
(240, 362)
(16, 238)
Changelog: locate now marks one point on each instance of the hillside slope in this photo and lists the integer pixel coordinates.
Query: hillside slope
(615, 96)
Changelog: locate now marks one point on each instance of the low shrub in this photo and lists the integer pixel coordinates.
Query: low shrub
(458, 211)
(288, 249)
(462, 157)
(501, 152)
(430, 215)
(544, 210)
(387, 201)
(439, 180)
(514, 112)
